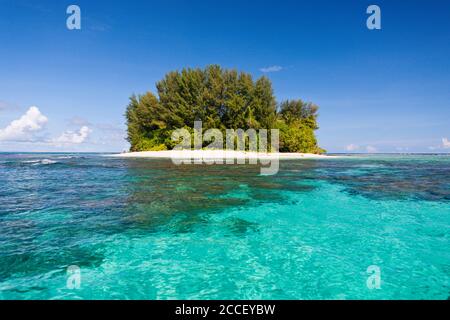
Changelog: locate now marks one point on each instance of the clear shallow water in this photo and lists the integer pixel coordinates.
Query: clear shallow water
(146, 229)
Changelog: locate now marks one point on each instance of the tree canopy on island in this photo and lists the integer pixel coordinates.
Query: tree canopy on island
(222, 99)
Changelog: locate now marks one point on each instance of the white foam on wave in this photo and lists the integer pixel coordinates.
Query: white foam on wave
(371, 166)
(40, 162)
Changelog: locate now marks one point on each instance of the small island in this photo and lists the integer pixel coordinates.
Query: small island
(221, 99)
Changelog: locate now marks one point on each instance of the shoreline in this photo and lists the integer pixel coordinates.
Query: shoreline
(220, 154)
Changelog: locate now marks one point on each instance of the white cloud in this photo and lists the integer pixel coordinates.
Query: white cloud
(445, 143)
(271, 69)
(33, 120)
(71, 137)
(352, 147)
(371, 149)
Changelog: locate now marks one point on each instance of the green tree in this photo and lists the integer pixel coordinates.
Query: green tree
(221, 99)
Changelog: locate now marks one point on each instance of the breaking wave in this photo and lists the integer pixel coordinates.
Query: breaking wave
(40, 162)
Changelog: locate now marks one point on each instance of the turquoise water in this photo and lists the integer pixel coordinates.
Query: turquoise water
(146, 229)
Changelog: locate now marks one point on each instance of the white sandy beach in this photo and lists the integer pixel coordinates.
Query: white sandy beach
(220, 154)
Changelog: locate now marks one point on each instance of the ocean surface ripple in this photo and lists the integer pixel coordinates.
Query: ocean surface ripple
(147, 229)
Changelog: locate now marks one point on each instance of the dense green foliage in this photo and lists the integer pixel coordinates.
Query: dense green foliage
(223, 99)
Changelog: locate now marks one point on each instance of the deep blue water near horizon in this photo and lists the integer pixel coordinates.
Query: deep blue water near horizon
(147, 229)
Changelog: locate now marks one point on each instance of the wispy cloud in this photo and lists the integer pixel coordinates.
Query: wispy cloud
(371, 149)
(352, 147)
(271, 69)
(77, 121)
(23, 128)
(445, 144)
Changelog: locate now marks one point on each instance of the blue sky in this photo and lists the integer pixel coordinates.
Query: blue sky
(378, 90)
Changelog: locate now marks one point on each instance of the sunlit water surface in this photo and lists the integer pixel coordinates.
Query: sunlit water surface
(147, 229)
